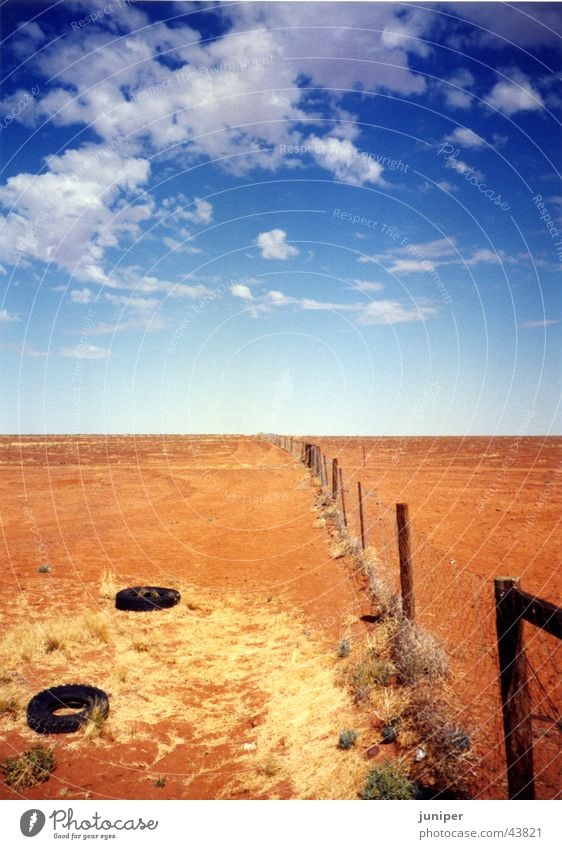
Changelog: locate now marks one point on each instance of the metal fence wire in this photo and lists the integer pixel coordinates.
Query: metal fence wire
(456, 605)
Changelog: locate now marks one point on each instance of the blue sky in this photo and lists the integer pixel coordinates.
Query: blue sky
(339, 218)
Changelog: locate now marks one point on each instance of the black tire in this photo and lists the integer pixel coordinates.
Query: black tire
(146, 598)
(41, 716)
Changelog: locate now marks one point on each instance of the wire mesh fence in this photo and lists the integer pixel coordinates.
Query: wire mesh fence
(456, 605)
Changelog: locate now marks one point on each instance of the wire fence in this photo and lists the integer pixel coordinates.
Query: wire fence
(457, 605)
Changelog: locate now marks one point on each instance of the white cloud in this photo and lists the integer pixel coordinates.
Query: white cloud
(410, 266)
(74, 211)
(140, 304)
(457, 89)
(174, 290)
(515, 95)
(546, 322)
(203, 212)
(446, 186)
(345, 161)
(425, 257)
(239, 290)
(81, 296)
(7, 317)
(215, 104)
(277, 297)
(366, 286)
(371, 313)
(393, 312)
(85, 352)
(485, 255)
(273, 245)
(465, 137)
(152, 323)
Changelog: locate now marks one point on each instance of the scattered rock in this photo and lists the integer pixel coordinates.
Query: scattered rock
(388, 734)
(250, 747)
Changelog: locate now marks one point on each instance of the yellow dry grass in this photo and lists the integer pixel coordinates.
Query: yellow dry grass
(209, 675)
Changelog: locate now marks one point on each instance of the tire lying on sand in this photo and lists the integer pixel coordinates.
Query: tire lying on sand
(146, 598)
(42, 710)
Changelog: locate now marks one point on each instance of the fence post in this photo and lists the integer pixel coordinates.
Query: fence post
(361, 518)
(335, 478)
(516, 702)
(325, 470)
(340, 487)
(405, 556)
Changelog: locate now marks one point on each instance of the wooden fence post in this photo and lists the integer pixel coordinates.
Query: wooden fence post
(335, 478)
(361, 517)
(340, 487)
(516, 701)
(405, 556)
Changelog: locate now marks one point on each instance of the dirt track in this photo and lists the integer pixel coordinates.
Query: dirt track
(248, 656)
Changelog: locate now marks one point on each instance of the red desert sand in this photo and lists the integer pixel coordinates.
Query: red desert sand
(233, 692)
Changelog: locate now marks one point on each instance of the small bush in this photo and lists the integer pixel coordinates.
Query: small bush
(417, 655)
(347, 738)
(381, 593)
(32, 767)
(344, 648)
(389, 781)
(448, 745)
(369, 672)
(44, 568)
(160, 782)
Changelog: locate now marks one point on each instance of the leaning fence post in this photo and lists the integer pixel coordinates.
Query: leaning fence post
(516, 701)
(405, 556)
(361, 518)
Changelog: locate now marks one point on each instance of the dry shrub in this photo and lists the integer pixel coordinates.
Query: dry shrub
(10, 704)
(446, 744)
(32, 767)
(382, 594)
(391, 704)
(342, 547)
(367, 673)
(417, 655)
(389, 781)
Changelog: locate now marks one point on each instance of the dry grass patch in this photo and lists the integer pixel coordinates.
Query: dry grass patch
(108, 585)
(32, 767)
(10, 703)
(218, 673)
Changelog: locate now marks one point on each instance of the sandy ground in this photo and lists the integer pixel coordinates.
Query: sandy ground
(479, 508)
(232, 692)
